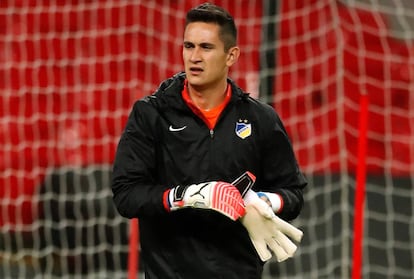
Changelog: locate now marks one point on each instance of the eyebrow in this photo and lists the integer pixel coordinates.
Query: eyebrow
(202, 44)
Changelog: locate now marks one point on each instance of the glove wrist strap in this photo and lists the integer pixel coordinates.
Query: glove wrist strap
(273, 199)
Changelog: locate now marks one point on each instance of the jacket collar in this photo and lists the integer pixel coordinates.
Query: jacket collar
(168, 93)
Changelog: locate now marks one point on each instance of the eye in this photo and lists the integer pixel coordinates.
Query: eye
(207, 46)
(188, 45)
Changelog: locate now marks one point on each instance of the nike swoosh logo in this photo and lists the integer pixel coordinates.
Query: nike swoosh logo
(172, 129)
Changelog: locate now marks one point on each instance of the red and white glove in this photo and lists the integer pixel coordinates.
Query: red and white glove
(267, 231)
(220, 196)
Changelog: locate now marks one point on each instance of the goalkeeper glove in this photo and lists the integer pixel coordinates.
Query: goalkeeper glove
(267, 231)
(219, 196)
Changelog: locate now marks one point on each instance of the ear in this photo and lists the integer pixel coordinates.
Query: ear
(233, 56)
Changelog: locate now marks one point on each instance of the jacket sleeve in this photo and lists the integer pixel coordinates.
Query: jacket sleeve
(135, 193)
(282, 174)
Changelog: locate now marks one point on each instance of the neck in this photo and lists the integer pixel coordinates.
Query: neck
(208, 98)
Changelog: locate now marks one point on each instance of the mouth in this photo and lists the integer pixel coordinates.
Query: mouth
(195, 70)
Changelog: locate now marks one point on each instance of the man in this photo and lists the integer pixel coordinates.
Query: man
(181, 149)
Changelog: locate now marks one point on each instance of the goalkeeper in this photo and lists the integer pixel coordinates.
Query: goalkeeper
(181, 149)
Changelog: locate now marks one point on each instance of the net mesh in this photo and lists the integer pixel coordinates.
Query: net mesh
(70, 72)
(329, 55)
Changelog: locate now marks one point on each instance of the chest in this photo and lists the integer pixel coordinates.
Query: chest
(188, 132)
(187, 145)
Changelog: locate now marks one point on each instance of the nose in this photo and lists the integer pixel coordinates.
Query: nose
(195, 55)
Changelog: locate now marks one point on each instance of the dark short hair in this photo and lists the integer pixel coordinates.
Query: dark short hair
(211, 13)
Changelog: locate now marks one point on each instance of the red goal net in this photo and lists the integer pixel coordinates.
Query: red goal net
(71, 70)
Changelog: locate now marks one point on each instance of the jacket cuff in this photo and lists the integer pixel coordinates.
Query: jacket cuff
(166, 200)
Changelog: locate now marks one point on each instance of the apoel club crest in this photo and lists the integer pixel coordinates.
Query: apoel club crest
(243, 128)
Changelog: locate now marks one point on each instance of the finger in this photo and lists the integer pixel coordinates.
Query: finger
(288, 229)
(277, 250)
(285, 243)
(262, 251)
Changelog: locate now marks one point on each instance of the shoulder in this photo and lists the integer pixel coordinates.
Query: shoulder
(166, 95)
(262, 107)
(257, 110)
(254, 104)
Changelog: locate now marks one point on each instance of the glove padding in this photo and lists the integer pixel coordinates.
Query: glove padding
(219, 196)
(267, 231)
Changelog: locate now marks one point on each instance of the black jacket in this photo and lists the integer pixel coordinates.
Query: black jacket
(155, 153)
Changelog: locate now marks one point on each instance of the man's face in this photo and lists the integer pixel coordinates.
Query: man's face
(205, 61)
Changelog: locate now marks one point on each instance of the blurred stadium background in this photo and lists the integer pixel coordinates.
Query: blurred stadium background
(70, 71)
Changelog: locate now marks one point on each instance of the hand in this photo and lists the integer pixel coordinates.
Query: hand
(219, 196)
(267, 231)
